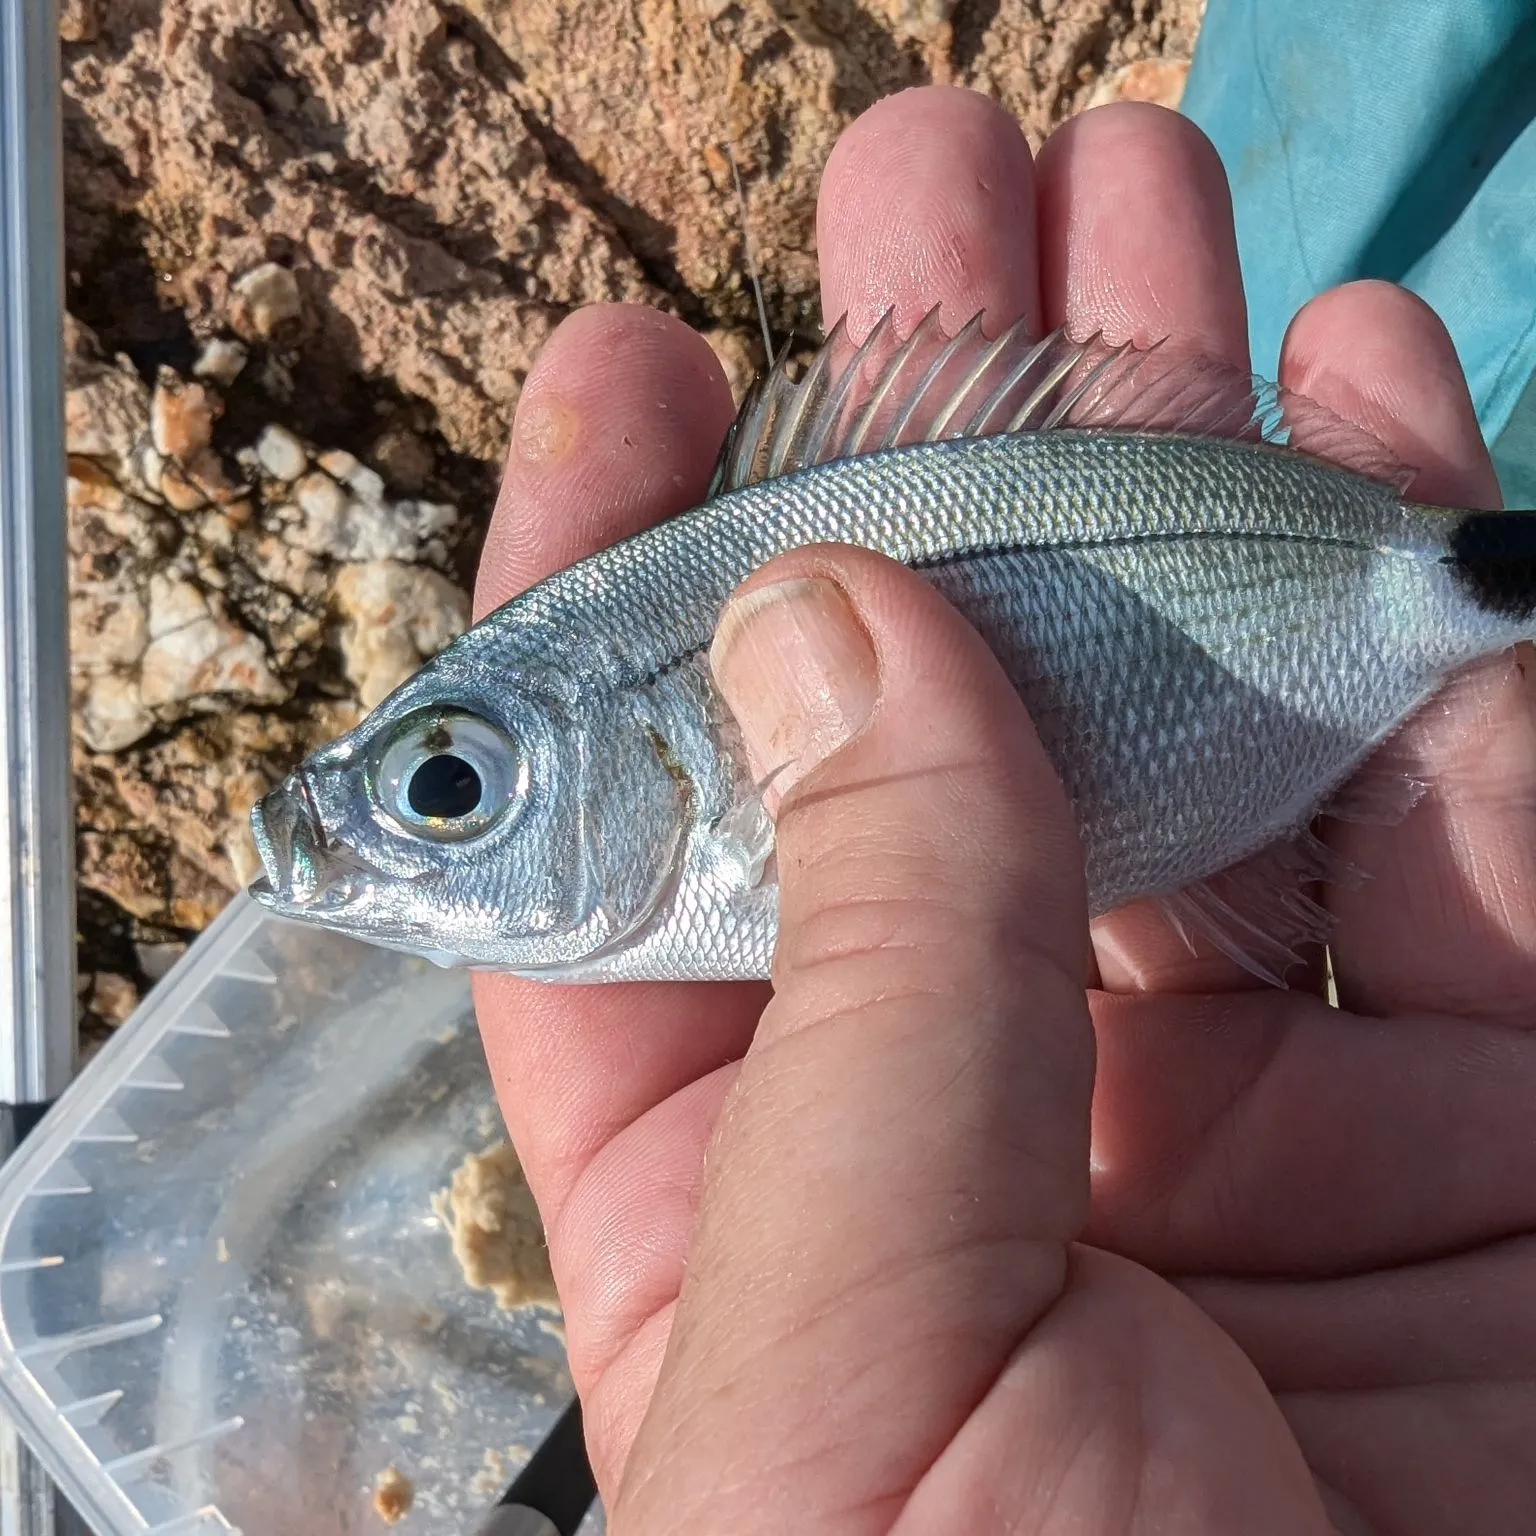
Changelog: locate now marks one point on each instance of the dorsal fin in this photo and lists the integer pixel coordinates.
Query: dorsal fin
(889, 392)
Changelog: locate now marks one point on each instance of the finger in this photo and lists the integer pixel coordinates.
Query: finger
(1137, 241)
(1412, 1391)
(617, 426)
(1136, 232)
(621, 1247)
(902, 1161)
(919, 1141)
(1380, 356)
(929, 198)
(1445, 919)
(1273, 1134)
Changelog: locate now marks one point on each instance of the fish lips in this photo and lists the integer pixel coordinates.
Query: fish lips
(302, 874)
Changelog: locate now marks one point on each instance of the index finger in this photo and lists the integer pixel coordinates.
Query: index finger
(617, 427)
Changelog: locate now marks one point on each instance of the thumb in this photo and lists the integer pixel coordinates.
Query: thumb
(903, 1160)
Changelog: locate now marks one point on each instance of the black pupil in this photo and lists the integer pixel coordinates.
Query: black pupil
(444, 788)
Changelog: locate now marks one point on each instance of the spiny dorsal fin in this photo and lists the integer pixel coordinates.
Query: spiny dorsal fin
(889, 392)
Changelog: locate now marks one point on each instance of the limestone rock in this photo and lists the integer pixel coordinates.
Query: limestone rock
(220, 360)
(106, 414)
(1160, 81)
(195, 651)
(79, 21)
(281, 454)
(266, 299)
(181, 417)
(395, 617)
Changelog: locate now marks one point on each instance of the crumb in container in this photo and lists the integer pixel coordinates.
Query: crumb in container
(392, 1495)
(494, 1225)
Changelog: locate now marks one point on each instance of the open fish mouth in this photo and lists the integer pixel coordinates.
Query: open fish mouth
(300, 872)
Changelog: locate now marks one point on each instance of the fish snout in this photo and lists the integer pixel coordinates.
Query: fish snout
(290, 842)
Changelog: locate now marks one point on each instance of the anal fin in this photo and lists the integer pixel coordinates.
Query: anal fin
(1261, 913)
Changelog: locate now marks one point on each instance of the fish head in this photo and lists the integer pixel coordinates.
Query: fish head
(495, 810)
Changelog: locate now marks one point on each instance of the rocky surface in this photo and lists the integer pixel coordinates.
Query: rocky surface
(314, 247)
(229, 610)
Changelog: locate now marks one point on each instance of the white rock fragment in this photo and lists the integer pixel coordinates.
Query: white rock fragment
(280, 560)
(320, 497)
(206, 471)
(339, 464)
(194, 652)
(269, 298)
(79, 21)
(108, 632)
(220, 360)
(395, 617)
(280, 453)
(367, 485)
(151, 467)
(100, 508)
(180, 493)
(108, 627)
(216, 531)
(110, 714)
(323, 508)
(1160, 81)
(325, 521)
(104, 415)
(181, 417)
(396, 531)
(174, 604)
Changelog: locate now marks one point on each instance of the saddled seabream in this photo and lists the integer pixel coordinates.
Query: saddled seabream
(1212, 596)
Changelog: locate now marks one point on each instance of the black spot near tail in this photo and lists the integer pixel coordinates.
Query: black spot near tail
(1494, 554)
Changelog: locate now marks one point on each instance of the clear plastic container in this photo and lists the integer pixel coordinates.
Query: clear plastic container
(225, 1301)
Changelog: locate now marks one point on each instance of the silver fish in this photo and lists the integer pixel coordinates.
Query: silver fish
(1212, 626)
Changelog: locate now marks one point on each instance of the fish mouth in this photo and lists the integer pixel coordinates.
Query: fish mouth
(302, 875)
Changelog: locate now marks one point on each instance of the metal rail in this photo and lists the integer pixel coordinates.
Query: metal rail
(37, 927)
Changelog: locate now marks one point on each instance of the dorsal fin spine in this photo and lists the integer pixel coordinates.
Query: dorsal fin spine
(828, 411)
(854, 442)
(1009, 383)
(890, 392)
(788, 425)
(962, 391)
(1070, 399)
(1054, 375)
(903, 417)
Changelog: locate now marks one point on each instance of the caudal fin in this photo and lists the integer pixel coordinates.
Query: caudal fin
(1494, 557)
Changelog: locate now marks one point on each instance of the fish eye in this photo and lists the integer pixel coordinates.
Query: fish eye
(444, 788)
(449, 776)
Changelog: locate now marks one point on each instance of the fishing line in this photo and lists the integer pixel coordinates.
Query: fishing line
(746, 246)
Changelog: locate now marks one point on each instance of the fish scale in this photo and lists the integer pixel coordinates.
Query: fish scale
(1210, 633)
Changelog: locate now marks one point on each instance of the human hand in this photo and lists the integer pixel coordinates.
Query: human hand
(1291, 1283)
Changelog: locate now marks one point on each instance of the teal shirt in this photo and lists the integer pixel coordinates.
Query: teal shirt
(1394, 139)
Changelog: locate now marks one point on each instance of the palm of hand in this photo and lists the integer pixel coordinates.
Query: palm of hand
(1348, 1195)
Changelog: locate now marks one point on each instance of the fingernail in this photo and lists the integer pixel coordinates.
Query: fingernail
(799, 674)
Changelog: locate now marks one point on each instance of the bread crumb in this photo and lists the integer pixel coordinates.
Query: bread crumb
(392, 1495)
(497, 1236)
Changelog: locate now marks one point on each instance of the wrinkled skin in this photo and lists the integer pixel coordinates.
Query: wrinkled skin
(1290, 1288)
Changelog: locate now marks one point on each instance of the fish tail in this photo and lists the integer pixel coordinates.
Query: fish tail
(1494, 557)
